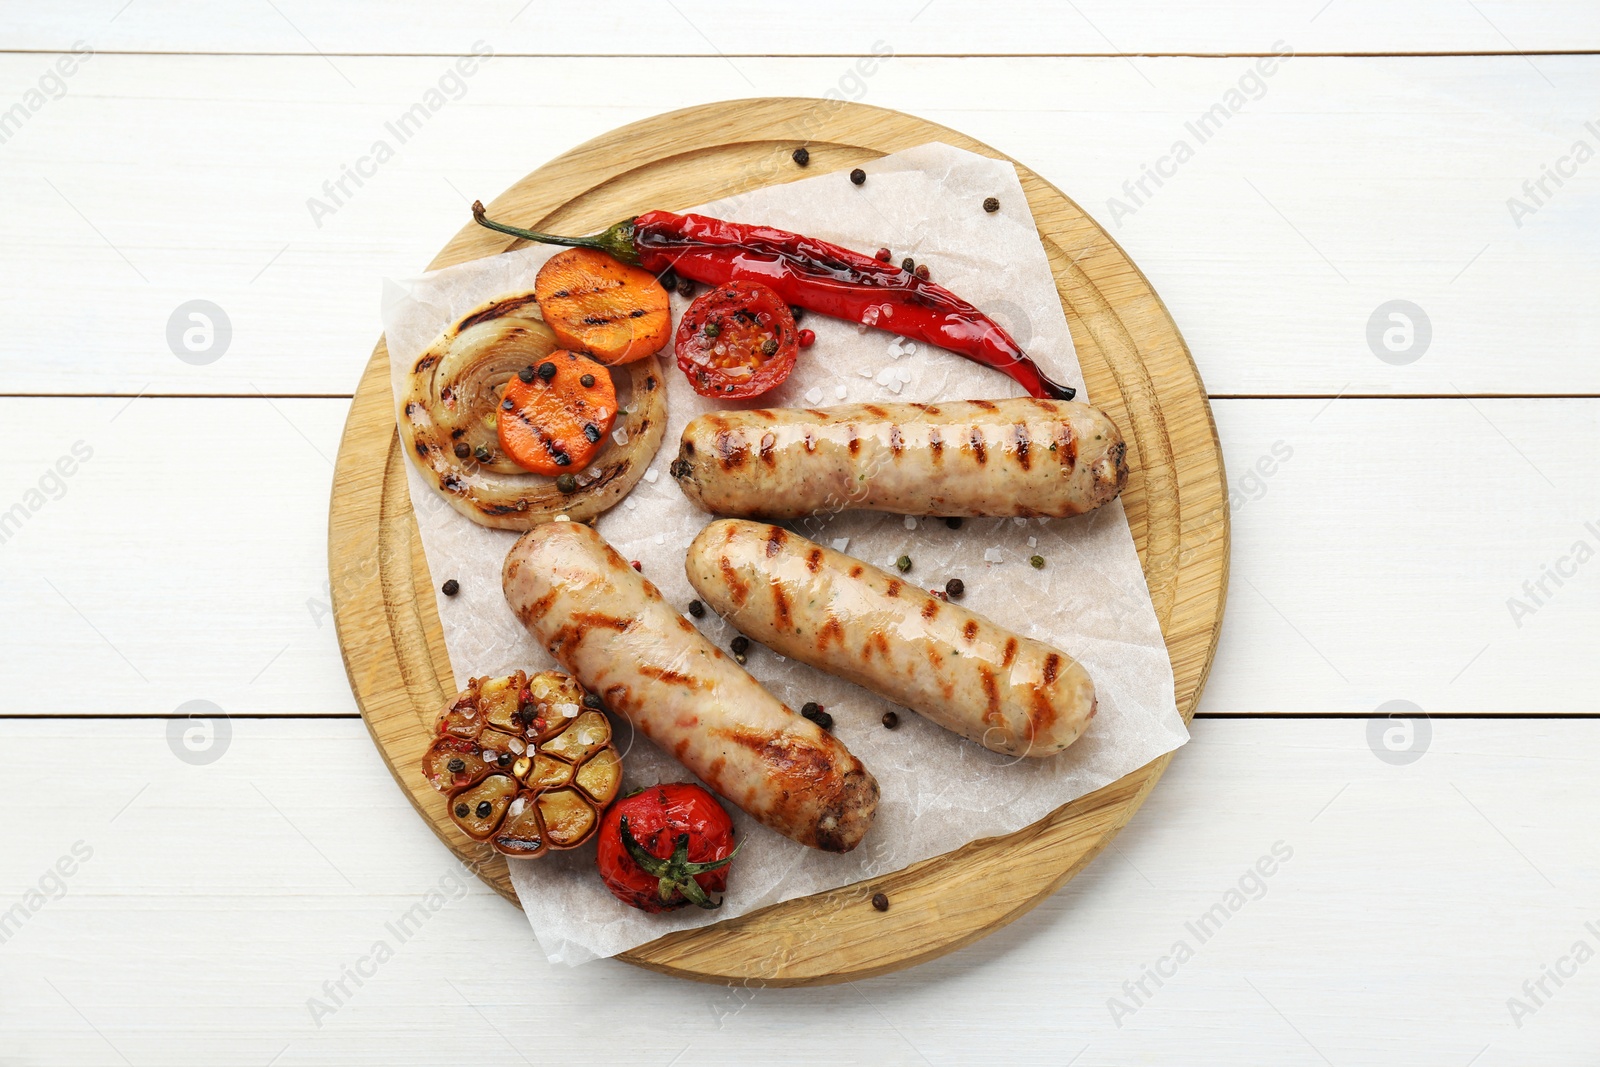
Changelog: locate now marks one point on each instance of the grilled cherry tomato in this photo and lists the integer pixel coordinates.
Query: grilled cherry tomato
(666, 846)
(737, 341)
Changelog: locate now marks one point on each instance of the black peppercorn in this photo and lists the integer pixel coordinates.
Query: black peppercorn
(953, 523)
(483, 455)
(817, 714)
(504, 760)
(740, 644)
(890, 720)
(591, 431)
(796, 313)
(801, 156)
(880, 902)
(858, 176)
(697, 609)
(484, 808)
(450, 588)
(685, 287)
(587, 381)
(547, 370)
(566, 483)
(991, 204)
(955, 587)
(592, 700)
(562, 459)
(461, 811)
(668, 280)
(908, 264)
(463, 450)
(526, 374)
(456, 766)
(506, 404)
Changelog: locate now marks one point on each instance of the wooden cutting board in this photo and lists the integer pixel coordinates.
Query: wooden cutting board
(1137, 369)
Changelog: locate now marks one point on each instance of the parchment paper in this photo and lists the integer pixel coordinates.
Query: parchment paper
(1090, 600)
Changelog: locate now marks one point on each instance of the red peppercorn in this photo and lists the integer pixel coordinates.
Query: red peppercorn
(884, 255)
(922, 271)
(807, 338)
(940, 593)
(636, 565)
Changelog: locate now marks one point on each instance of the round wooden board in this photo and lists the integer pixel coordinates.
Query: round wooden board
(1136, 367)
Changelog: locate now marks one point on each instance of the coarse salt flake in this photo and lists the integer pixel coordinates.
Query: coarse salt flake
(992, 555)
(567, 711)
(620, 435)
(911, 522)
(1033, 542)
(865, 372)
(903, 373)
(841, 543)
(841, 391)
(813, 395)
(896, 385)
(651, 475)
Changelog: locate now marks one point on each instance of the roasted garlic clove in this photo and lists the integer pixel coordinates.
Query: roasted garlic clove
(525, 762)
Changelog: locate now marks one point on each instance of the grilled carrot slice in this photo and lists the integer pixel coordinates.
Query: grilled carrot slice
(600, 306)
(554, 416)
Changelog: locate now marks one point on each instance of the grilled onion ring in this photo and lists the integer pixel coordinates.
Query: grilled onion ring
(452, 397)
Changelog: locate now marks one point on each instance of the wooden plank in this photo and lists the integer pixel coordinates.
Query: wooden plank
(1348, 184)
(219, 899)
(1392, 537)
(832, 26)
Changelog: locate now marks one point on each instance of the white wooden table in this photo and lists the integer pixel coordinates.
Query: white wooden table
(1417, 506)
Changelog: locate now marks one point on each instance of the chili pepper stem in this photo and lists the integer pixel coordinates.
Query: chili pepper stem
(616, 241)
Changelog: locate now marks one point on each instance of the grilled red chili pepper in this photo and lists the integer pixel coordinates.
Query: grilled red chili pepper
(812, 274)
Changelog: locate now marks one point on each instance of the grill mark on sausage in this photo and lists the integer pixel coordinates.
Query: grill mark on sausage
(669, 677)
(810, 440)
(775, 539)
(876, 641)
(539, 607)
(897, 443)
(991, 697)
(935, 444)
(875, 411)
(731, 449)
(930, 609)
(1023, 456)
(1041, 714)
(893, 588)
(1010, 653)
(979, 452)
(983, 404)
(765, 413)
(1052, 667)
(768, 441)
(594, 620)
(831, 630)
(855, 571)
(1066, 444)
(854, 444)
(738, 587)
(814, 560)
(780, 606)
(970, 630)
(935, 659)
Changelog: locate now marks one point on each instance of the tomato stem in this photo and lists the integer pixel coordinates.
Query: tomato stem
(677, 874)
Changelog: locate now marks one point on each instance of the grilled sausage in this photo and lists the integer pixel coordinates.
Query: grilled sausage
(1011, 694)
(612, 630)
(963, 457)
